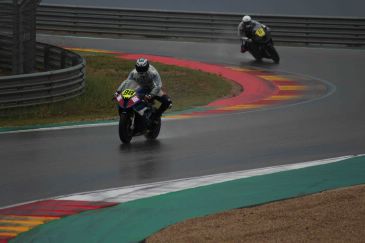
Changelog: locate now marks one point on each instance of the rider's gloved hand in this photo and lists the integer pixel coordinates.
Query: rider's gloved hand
(148, 97)
(115, 95)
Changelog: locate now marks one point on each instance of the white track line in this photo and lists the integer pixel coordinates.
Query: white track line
(129, 193)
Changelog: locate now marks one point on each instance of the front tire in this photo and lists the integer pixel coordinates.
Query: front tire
(125, 131)
(255, 50)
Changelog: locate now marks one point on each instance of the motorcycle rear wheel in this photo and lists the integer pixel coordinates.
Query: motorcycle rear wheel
(273, 53)
(125, 131)
(154, 131)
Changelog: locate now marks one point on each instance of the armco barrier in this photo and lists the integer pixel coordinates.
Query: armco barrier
(132, 23)
(62, 78)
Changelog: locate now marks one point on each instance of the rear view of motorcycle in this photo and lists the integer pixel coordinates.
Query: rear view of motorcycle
(261, 45)
(136, 116)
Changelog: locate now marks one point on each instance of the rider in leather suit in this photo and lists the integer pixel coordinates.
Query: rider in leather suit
(245, 29)
(148, 78)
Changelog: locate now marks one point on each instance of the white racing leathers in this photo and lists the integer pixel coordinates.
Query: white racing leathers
(151, 84)
(248, 32)
(150, 81)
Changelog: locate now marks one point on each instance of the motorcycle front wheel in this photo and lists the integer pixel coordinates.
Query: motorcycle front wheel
(125, 131)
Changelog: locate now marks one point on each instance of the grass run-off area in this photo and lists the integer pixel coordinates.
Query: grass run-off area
(104, 72)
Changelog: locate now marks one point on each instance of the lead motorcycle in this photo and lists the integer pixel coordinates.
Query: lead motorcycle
(261, 45)
(136, 116)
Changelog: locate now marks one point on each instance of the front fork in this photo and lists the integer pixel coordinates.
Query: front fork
(130, 116)
(243, 43)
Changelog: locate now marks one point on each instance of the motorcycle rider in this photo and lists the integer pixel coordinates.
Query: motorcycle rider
(246, 29)
(148, 79)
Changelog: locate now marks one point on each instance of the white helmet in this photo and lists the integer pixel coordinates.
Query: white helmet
(246, 19)
(142, 65)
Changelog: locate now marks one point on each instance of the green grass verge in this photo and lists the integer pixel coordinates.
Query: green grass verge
(187, 88)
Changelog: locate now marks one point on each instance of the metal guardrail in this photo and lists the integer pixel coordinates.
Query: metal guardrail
(132, 23)
(68, 81)
(64, 81)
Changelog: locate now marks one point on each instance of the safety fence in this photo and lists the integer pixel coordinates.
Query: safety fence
(18, 35)
(178, 25)
(6, 35)
(60, 76)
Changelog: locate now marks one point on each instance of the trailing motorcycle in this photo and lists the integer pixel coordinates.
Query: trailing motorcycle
(261, 45)
(136, 116)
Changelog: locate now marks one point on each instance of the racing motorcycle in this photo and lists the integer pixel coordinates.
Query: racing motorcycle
(261, 44)
(136, 116)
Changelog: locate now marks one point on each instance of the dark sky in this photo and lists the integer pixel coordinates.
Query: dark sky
(354, 8)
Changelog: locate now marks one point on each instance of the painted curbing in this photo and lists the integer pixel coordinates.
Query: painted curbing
(135, 220)
(261, 89)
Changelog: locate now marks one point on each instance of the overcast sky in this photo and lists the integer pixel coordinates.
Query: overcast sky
(354, 8)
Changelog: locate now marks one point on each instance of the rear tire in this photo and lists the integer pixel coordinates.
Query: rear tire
(154, 131)
(125, 131)
(273, 53)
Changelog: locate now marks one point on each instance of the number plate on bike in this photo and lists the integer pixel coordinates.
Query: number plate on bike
(128, 93)
(260, 32)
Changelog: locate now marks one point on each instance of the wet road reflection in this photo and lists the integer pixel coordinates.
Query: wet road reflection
(146, 159)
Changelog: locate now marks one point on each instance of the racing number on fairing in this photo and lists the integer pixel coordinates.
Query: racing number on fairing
(128, 93)
(260, 32)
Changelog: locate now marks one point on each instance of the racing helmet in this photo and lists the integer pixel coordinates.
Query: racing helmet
(246, 20)
(142, 65)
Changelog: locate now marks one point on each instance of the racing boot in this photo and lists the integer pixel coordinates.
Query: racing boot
(166, 103)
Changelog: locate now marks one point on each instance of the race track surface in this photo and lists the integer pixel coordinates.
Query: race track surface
(37, 165)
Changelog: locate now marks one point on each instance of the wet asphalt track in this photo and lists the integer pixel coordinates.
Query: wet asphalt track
(38, 165)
